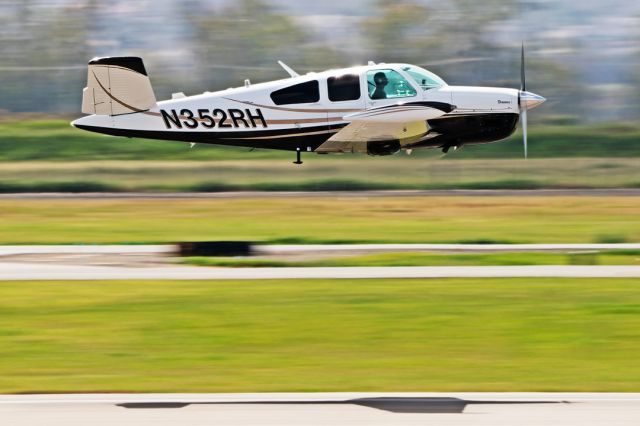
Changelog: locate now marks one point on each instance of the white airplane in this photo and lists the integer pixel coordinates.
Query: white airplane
(378, 109)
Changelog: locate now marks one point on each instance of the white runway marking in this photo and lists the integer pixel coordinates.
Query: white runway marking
(442, 248)
(87, 249)
(479, 409)
(318, 248)
(39, 271)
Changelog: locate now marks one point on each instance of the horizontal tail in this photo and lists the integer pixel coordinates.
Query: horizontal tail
(117, 85)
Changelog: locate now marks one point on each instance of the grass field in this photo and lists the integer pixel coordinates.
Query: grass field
(279, 336)
(622, 257)
(324, 220)
(319, 173)
(55, 140)
(51, 156)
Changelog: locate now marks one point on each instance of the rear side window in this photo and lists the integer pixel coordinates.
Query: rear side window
(344, 88)
(303, 93)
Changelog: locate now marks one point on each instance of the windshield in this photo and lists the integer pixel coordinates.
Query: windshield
(426, 79)
(388, 84)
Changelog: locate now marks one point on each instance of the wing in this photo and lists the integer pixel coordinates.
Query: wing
(390, 127)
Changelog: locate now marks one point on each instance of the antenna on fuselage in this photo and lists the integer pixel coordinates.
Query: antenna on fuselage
(288, 69)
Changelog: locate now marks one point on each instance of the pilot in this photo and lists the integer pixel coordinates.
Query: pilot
(381, 81)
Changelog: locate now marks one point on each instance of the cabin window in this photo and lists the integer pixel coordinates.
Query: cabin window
(344, 88)
(303, 93)
(388, 84)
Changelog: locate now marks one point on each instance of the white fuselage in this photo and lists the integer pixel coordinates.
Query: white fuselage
(253, 116)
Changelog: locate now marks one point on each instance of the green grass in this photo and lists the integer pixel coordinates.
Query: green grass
(548, 141)
(623, 257)
(56, 140)
(323, 220)
(321, 335)
(51, 156)
(319, 173)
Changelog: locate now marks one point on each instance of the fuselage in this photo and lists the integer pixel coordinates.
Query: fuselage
(303, 112)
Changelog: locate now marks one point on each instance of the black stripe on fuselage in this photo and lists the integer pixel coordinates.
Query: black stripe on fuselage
(442, 106)
(284, 139)
(451, 130)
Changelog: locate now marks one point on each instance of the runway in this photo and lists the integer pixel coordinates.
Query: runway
(263, 249)
(440, 248)
(157, 262)
(51, 272)
(372, 409)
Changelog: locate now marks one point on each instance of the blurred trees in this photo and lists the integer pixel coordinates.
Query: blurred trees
(246, 38)
(398, 31)
(42, 53)
(635, 69)
(458, 40)
(411, 31)
(197, 45)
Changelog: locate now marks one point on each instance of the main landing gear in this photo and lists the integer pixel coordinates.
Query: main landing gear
(446, 148)
(298, 155)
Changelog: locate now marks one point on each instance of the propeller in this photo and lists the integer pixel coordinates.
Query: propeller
(523, 110)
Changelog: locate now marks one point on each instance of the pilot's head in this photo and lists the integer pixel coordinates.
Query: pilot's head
(380, 79)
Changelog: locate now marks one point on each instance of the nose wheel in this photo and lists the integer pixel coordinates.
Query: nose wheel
(298, 155)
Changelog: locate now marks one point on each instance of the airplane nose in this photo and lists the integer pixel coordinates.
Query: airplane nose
(530, 100)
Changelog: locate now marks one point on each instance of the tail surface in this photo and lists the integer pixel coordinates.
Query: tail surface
(116, 86)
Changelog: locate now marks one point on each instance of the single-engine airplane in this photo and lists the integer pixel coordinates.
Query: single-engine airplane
(378, 109)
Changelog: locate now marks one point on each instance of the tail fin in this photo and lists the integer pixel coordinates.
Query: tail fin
(116, 86)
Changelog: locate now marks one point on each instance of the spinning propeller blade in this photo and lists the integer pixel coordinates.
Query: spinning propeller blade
(523, 117)
(523, 110)
(523, 79)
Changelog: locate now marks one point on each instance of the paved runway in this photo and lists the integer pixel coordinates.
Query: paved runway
(154, 262)
(43, 271)
(87, 249)
(167, 249)
(440, 248)
(442, 409)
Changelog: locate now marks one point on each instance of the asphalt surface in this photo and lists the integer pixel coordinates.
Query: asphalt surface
(630, 192)
(478, 409)
(441, 248)
(157, 262)
(168, 249)
(42, 271)
(86, 249)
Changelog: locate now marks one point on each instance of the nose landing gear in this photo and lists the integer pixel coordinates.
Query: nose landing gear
(298, 155)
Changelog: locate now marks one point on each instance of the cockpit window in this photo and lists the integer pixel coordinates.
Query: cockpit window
(426, 79)
(388, 84)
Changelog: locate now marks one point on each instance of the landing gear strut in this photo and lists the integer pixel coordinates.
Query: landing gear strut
(298, 160)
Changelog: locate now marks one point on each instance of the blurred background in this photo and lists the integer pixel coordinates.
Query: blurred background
(584, 57)
(520, 334)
